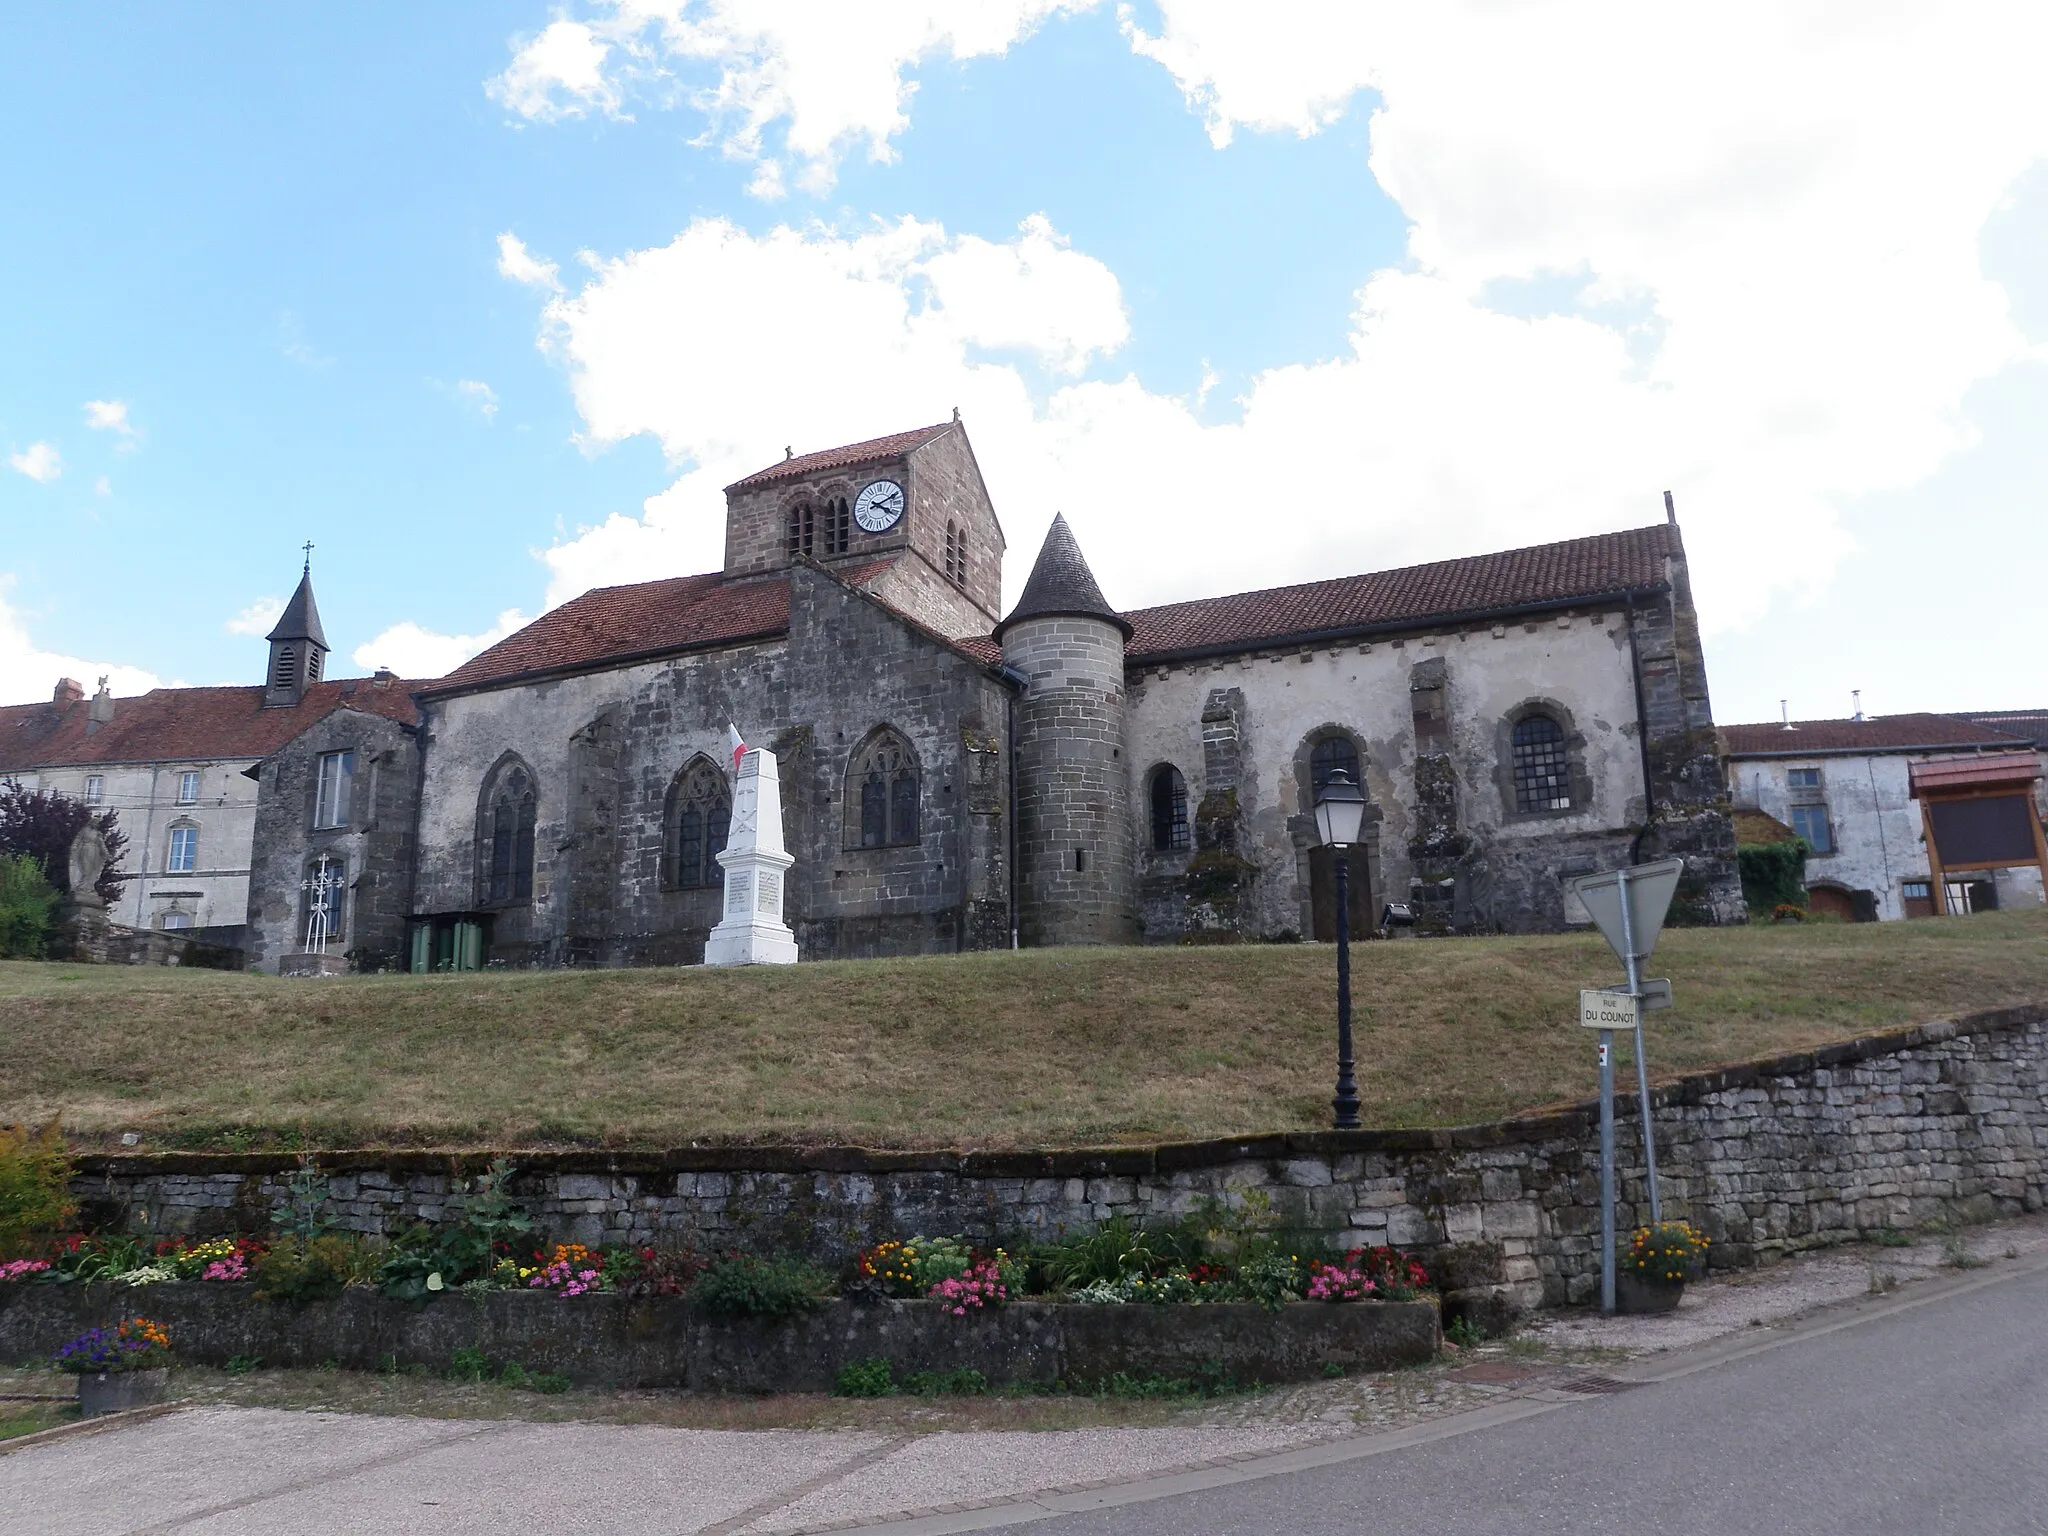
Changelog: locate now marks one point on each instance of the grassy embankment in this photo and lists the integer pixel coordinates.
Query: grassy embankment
(1043, 1048)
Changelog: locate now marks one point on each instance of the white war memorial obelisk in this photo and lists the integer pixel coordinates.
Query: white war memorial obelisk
(752, 931)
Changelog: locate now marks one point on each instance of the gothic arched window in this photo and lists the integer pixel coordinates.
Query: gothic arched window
(956, 553)
(1326, 758)
(695, 824)
(1169, 809)
(1542, 767)
(882, 793)
(508, 818)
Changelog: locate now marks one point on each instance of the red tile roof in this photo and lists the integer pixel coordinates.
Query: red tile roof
(648, 618)
(2017, 769)
(1576, 570)
(1878, 733)
(894, 446)
(185, 724)
(985, 649)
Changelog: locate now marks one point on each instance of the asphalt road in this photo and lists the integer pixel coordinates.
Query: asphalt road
(1928, 1420)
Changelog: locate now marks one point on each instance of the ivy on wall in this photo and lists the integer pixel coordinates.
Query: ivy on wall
(1773, 874)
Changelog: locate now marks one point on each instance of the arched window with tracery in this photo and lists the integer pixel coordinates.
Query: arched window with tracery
(695, 824)
(1327, 757)
(956, 554)
(1542, 766)
(509, 811)
(1169, 810)
(801, 529)
(882, 786)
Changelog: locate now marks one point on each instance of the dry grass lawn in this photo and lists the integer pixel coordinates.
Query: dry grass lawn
(1042, 1048)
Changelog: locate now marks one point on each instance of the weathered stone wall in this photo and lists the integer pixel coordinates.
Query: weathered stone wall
(1441, 825)
(620, 1341)
(374, 842)
(605, 747)
(1801, 1151)
(1076, 846)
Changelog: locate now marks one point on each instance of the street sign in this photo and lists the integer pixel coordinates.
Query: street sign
(1649, 888)
(1655, 992)
(1602, 1009)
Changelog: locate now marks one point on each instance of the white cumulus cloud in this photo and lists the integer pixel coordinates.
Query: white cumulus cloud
(831, 74)
(41, 462)
(258, 618)
(111, 416)
(28, 673)
(558, 73)
(413, 651)
(1732, 254)
(1290, 65)
(522, 266)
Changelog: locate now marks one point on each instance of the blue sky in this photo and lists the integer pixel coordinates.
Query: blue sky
(1250, 305)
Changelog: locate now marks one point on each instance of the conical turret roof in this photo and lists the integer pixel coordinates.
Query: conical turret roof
(1062, 584)
(301, 617)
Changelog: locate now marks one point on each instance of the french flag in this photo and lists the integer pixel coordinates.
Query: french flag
(737, 744)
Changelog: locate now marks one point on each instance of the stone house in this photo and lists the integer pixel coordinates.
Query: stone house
(179, 765)
(1847, 788)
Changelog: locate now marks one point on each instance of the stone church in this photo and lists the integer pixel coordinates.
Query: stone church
(957, 776)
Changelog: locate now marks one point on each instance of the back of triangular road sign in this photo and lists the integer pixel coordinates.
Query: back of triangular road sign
(1650, 888)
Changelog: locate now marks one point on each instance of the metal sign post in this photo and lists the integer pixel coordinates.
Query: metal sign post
(1628, 906)
(1635, 986)
(1607, 1171)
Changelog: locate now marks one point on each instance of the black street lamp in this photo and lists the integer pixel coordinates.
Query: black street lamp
(1340, 812)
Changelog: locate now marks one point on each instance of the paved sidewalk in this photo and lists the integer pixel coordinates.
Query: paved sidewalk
(222, 1469)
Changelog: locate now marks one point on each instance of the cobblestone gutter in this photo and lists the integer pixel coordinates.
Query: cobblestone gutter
(1800, 1151)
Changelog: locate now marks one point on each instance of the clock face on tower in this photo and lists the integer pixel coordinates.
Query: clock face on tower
(879, 507)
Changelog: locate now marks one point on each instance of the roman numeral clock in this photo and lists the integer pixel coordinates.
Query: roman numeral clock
(879, 507)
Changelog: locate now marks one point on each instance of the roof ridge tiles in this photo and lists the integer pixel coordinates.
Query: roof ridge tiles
(846, 456)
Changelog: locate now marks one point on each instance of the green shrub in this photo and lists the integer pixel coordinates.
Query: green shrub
(472, 1244)
(35, 1187)
(1116, 1250)
(872, 1377)
(468, 1364)
(301, 1270)
(28, 903)
(744, 1286)
(1773, 875)
(965, 1381)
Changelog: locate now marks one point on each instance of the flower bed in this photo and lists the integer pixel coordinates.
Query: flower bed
(1223, 1288)
(611, 1339)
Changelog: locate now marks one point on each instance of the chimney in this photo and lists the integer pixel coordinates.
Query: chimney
(66, 693)
(101, 710)
(1785, 710)
(1856, 695)
(383, 677)
(1670, 510)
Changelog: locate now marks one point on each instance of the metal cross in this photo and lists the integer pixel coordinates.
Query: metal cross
(309, 557)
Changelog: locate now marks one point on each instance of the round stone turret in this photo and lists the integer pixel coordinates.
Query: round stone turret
(1076, 880)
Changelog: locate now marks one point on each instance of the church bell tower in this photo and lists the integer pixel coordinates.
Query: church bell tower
(298, 647)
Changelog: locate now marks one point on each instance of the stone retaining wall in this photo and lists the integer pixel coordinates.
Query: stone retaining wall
(1803, 1150)
(617, 1341)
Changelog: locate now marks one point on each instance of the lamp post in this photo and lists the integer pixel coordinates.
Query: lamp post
(1340, 812)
